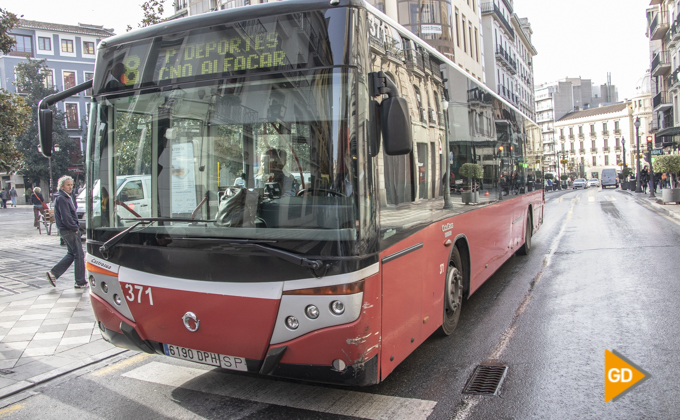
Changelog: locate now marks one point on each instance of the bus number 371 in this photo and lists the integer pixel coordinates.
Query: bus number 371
(130, 295)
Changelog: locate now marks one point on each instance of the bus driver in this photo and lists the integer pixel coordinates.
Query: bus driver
(272, 165)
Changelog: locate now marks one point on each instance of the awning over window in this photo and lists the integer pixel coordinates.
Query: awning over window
(669, 132)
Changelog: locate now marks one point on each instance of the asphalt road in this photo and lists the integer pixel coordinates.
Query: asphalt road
(602, 274)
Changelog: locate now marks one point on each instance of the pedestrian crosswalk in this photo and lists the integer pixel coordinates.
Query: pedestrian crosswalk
(590, 199)
(302, 396)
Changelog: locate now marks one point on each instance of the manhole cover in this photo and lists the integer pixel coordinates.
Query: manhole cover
(486, 380)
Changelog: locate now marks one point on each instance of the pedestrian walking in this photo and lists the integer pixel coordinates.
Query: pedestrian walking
(67, 223)
(38, 207)
(13, 196)
(4, 196)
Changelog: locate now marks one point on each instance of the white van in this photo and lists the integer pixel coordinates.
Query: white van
(609, 178)
(133, 192)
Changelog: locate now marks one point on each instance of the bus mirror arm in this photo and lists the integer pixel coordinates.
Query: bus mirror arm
(395, 117)
(45, 115)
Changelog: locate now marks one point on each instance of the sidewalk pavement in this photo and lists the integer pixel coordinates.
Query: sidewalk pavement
(45, 332)
(655, 203)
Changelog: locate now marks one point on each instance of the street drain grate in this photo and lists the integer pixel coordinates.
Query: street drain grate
(486, 380)
(6, 372)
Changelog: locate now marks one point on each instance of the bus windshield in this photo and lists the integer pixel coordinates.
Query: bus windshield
(242, 157)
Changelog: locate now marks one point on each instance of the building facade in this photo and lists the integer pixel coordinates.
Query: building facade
(69, 51)
(663, 31)
(554, 100)
(594, 139)
(508, 54)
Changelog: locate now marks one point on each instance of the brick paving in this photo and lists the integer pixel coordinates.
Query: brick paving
(45, 331)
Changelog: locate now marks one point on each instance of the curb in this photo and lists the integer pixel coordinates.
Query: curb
(55, 373)
(654, 206)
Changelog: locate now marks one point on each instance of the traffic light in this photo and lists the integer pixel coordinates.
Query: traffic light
(649, 143)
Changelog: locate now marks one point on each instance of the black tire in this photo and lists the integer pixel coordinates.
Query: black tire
(453, 294)
(526, 248)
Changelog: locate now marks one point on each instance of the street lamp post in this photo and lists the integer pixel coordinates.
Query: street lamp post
(559, 179)
(623, 145)
(638, 185)
(652, 183)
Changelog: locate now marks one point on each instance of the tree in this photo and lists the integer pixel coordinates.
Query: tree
(668, 164)
(153, 10)
(14, 114)
(8, 21)
(471, 171)
(31, 79)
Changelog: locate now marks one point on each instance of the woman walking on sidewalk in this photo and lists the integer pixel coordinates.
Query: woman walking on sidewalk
(37, 200)
(67, 222)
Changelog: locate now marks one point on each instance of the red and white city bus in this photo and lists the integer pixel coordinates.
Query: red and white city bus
(280, 189)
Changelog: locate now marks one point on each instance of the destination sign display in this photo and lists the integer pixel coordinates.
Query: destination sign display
(220, 53)
(274, 43)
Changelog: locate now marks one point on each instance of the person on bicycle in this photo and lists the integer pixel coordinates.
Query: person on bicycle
(37, 200)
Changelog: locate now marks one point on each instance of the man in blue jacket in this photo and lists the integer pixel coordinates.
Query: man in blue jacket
(67, 222)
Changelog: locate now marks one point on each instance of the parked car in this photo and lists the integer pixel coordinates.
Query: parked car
(579, 183)
(609, 177)
(594, 182)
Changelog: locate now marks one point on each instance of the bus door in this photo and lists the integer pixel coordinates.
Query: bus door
(402, 272)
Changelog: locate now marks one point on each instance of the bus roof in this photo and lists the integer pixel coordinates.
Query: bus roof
(222, 17)
(239, 14)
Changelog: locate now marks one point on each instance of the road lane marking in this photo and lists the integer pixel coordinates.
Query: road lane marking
(591, 199)
(11, 410)
(559, 200)
(121, 365)
(576, 200)
(611, 198)
(305, 397)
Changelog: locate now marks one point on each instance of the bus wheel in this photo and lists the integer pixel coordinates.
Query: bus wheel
(453, 293)
(526, 248)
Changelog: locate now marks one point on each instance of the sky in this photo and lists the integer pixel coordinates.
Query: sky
(589, 38)
(586, 38)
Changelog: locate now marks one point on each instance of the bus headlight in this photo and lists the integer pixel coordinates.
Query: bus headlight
(312, 312)
(105, 287)
(292, 323)
(337, 307)
(117, 299)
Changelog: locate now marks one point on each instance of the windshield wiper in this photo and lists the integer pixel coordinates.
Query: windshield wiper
(108, 245)
(284, 255)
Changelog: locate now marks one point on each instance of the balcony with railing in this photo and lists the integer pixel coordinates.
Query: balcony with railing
(593, 134)
(673, 35)
(506, 61)
(582, 151)
(617, 148)
(491, 8)
(571, 137)
(653, 126)
(605, 149)
(562, 138)
(658, 26)
(617, 131)
(661, 63)
(674, 80)
(593, 150)
(581, 136)
(661, 102)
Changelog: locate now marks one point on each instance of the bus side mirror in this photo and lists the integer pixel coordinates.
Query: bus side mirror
(395, 118)
(45, 131)
(396, 126)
